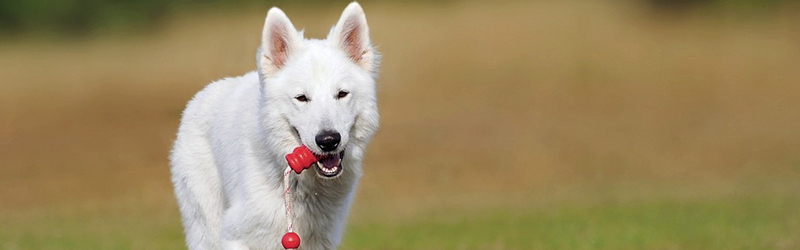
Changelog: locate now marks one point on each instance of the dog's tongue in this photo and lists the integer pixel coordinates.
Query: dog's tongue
(330, 162)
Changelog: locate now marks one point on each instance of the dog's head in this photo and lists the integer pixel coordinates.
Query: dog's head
(320, 93)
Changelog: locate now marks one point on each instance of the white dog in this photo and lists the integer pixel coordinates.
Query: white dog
(228, 158)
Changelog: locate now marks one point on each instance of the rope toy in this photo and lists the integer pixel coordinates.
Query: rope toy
(300, 159)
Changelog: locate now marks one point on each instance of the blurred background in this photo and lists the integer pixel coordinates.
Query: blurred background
(579, 124)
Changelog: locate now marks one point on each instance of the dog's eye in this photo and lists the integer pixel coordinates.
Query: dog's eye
(301, 98)
(342, 94)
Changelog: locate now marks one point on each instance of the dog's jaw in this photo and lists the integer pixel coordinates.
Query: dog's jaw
(330, 165)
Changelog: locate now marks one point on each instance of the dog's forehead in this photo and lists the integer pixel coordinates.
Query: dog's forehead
(321, 64)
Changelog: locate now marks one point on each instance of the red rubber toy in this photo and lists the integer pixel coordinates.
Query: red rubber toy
(301, 158)
(290, 240)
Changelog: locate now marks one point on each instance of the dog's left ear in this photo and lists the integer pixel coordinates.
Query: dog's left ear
(351, 34)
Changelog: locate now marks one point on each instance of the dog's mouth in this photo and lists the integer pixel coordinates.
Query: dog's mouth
(329, 165)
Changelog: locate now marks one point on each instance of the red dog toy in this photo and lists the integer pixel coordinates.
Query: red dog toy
(301, 158)
(291, 240)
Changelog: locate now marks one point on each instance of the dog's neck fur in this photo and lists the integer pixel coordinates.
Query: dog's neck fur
(328, 200)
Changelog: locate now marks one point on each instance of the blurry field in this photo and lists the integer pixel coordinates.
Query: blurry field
(541, 125)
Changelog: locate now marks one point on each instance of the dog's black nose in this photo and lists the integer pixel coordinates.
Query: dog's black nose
(328, 140)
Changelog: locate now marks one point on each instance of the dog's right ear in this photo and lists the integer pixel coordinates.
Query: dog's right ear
(278, 41)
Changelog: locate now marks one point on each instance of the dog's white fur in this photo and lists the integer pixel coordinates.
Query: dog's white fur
(228, 158)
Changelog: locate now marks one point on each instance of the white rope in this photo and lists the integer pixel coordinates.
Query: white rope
(287, 197)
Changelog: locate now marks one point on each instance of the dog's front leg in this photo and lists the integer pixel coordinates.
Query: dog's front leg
(233, 230)
(234, 245)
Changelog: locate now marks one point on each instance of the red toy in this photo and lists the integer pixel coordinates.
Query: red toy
(291, 240)
(301, 158)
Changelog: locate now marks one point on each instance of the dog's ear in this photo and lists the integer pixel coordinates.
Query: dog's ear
(278, 41)
(351, 34)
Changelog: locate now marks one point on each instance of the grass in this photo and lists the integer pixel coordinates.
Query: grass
(679, 216)
(514, 125)
(727, 223)
(752, 217)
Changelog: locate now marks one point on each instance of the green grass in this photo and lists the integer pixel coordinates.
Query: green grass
(765, 221)
(730, 223)
(106, 226)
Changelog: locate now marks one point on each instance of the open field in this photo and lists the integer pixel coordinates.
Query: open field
(536, 125)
